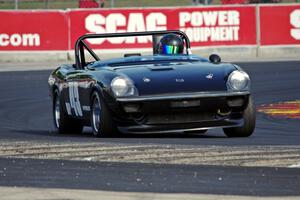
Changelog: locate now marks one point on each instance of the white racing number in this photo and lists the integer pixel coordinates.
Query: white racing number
(74, 99)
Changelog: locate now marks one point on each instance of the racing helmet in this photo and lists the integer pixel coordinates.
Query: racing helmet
(171, 44)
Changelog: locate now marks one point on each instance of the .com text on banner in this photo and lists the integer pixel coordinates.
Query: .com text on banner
(33, 30)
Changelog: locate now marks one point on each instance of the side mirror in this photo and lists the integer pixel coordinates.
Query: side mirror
(214, 58)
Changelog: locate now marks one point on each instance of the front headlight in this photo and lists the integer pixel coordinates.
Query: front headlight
(123, 86)
(238, 80)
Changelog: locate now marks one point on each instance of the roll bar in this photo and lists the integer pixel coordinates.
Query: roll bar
(80, 44)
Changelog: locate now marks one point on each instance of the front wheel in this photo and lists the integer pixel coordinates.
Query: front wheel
(62, 122)
(249, 118)
(101, 117)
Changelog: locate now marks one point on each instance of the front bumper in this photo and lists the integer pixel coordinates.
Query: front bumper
(181, 112)
(185, 127)
(182, 96)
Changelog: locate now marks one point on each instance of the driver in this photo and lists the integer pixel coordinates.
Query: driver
(170, 44)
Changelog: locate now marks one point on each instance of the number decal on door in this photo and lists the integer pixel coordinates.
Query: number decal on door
(74, 98)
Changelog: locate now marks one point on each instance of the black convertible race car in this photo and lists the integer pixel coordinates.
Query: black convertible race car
(151, 94)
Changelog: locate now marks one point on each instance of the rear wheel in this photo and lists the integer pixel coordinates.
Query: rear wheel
(62, 122)
(247, 129)
(101, 117)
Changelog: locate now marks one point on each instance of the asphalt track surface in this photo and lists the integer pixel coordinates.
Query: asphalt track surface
(26, 121)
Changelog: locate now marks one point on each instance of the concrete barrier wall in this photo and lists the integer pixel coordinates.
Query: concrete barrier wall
(226, 53)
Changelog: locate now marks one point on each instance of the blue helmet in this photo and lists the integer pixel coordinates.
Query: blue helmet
(171, 44)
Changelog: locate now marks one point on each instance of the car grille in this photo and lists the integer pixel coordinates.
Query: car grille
(174, 118)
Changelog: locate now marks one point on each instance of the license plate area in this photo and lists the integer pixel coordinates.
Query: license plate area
(185, 103)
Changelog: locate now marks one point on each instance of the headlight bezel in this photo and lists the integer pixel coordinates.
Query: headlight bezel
(234, 76)
(122, 86)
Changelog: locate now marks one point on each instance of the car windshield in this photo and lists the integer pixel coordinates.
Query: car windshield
(150, 64)
(152, 61)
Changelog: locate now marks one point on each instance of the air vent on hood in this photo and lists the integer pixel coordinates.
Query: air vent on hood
(161, 68)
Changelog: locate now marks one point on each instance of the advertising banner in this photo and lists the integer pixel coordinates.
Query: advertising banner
(280, 25)
(33, 30)
(205, 26)
(209, 26)
(218, 26)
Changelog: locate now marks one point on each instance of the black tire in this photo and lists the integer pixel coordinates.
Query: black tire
(62, 122)
(101, 117)
(247, 129)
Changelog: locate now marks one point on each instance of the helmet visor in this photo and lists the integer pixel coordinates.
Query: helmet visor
(170, 49)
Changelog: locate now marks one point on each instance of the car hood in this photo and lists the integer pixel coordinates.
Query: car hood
(197, 77)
